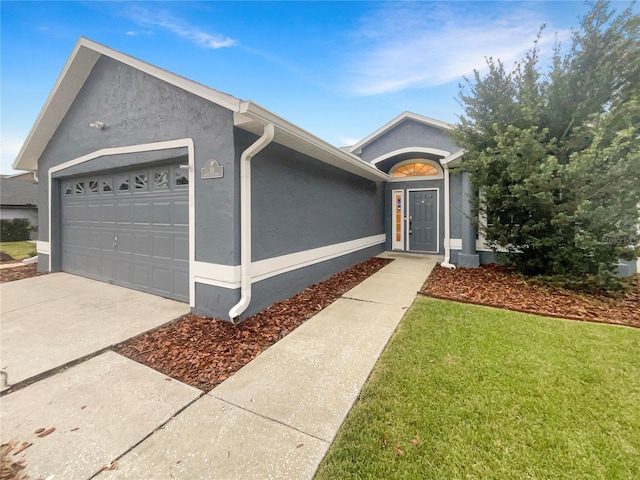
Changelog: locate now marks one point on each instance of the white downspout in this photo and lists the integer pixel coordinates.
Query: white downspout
(245, 221)
(447, 222)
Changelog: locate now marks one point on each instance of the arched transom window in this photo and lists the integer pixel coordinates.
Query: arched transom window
(415, 169)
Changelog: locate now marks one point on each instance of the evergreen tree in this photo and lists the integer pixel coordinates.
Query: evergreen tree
(556, 156)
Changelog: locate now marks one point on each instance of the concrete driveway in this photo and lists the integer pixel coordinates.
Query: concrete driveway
(49, 321)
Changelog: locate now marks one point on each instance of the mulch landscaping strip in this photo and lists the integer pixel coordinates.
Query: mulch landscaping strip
(203, 352)
(497, 286)
(19, 273)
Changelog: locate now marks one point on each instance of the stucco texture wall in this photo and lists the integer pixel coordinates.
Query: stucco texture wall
(138, 109)
(299, 203)
(408, 133)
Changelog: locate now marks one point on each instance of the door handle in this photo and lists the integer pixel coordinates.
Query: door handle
(115, 242)
(410, 225)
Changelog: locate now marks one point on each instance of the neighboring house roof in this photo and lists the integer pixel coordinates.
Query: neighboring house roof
(22, 175)
(357, 148)
(247, 115)
(17, 192)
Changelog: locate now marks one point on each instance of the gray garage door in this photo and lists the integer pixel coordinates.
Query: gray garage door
(129, 228)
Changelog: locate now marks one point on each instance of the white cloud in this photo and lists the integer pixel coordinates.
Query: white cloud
(10, 145)
(131, 33)
(405, 45)
(163, 20)
(348, 141)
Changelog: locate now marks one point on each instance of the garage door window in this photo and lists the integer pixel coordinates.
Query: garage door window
(160, 180)
(181, 179)
(107, 185)
(123, 184)
(79, 190)
(93, 187)
(140, 182)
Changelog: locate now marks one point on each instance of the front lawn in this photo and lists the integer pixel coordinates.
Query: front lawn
(472, 392)
(18, 250)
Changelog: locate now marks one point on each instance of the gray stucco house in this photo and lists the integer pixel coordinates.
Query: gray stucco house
(154, 182)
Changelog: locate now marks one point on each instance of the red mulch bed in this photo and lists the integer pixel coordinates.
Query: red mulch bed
(20, 272)
(497, 286)
(204, 352)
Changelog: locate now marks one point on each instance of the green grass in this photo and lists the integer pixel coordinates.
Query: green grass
(18, 250)
(494, 394)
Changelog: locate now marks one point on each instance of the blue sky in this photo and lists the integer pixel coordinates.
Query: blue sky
(337, 69)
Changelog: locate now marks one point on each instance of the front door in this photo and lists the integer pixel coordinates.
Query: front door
(423, 220)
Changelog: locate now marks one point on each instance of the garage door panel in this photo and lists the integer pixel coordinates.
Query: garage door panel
(142, 212)
(93, 213)
(181, 285)
(162, 213)
(125, 242)
(123, 212)
(107, 268)
(181, 213)
(123, 272)
(149, 221)
(162, 279)
(142, 244)
(141, 275)
(107, 212)
(94, 265)
(181, 248)
(163, 246)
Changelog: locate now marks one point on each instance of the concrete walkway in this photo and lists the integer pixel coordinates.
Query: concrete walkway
(275, 418)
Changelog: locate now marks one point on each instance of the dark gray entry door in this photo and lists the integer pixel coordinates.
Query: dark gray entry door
(129, 228)
(423, 220)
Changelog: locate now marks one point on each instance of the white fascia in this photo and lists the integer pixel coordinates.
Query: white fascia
(252, 116)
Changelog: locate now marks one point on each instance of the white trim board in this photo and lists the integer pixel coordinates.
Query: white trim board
(401, 151)
(43, 248)
(145, 147)
(226, 276)
(456, 244)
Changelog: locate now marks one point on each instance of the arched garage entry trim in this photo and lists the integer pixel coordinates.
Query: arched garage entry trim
(147, 147)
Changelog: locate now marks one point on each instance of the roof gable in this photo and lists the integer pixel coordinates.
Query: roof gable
(247, 115)
(357, 148)
(73, 76)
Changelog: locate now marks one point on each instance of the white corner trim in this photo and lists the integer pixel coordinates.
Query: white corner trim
(145, 147)
(227, 276)
(400, 151)
(43, 247)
